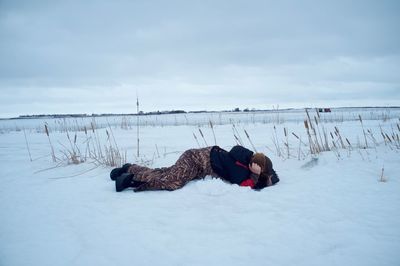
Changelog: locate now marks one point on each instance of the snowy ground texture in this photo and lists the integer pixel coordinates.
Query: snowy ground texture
(330, 210)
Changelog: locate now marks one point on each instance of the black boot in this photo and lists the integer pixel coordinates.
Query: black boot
(116, 172)
(136, 184)
(123, 181)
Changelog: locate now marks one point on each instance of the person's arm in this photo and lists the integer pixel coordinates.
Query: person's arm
(241, 154)
(255, 170)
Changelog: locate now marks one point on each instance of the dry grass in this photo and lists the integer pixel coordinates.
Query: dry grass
(95, 150)
(94, 144)
(53, 156)
(382, 177)
(27, 146)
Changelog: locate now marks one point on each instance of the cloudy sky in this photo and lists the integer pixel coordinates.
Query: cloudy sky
(96, 56)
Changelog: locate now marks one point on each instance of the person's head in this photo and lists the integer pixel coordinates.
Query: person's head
(263, 161)
(268, 175)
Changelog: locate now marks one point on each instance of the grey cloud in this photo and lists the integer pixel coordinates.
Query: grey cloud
(192, 49)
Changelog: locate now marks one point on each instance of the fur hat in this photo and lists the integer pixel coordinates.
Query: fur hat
(267, 171)
(263, 161)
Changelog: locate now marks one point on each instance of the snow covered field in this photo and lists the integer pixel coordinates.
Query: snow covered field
(328, 209)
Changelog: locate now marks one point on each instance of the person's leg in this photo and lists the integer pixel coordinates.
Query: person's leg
(123, 176)
(126, 180)
(116, 172)
(191, 164)
(138, 169)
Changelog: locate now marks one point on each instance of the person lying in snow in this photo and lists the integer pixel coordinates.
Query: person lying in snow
(238, 166)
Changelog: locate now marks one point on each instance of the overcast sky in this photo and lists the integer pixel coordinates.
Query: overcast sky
(96, 56)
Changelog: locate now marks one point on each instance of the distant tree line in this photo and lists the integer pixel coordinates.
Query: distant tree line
(237, 109)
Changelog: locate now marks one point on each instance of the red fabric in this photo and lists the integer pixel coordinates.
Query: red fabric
(241, 165)
(247, 183)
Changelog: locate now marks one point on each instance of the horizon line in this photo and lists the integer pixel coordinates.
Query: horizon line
(177, 111)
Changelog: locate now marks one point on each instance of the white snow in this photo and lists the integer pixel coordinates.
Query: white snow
(328, 210)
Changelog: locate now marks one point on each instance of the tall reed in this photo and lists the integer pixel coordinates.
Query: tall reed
(201, 133)
(362, 125)
(27, 145)
(53, 156)
(212, 128)
(248, 137)
(237, 135)
(197, 141)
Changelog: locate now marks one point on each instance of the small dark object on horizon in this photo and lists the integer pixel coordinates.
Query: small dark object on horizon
(324, 110)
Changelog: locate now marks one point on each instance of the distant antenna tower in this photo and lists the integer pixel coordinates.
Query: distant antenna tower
(137, 123)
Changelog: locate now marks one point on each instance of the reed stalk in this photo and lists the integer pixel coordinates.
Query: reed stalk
(310, 142)
(339, 137)
(287, 142)
(248, 137)
(212, 128)
(27, 145)
(362, 125)
(198, 144)
(201, 133)
(53, 155)
(275, 140)
(158, 153)
(237, 135)
(382, 178)
(299, 149)
(319, 134)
